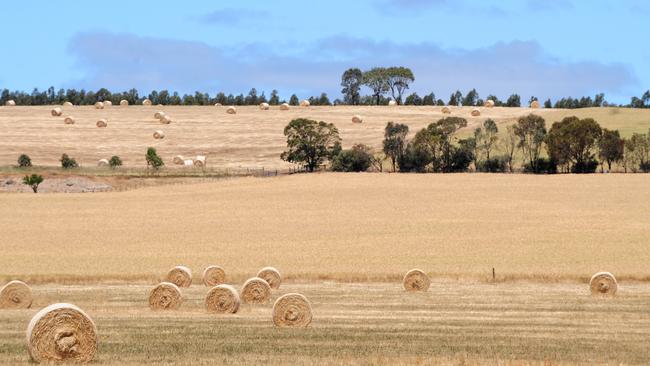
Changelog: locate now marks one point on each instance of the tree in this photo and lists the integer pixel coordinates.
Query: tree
(531, 130)
(377, 80)
(351, 81)
(548, 104)
(510, 145)
(398, 80)
(435, 139)
(611, 147)
(310, 142)
(486, 137)
(638, 151)
(395, 141)
(33, 181)
(324, 100)
(357, 159)
(571, 141)
(513, 101)
(471, 98)
(153, 160)
(456, 98)
(274, 99)
(24, 161)
(293, 100)
(429, 99)
(68, 162)
(413, 99)
(114, 161)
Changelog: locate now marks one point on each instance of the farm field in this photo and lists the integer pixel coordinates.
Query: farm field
(251, 138)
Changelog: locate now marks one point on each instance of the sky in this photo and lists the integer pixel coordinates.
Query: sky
(548, 49)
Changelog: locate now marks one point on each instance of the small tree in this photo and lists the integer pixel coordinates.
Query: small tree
(153, 160)
(351, 81)
(377, 80)
(294, 100)
(310, 142)
(398, 80)
(357, 159)
(115, 161)
(610, 147)
(395, 141)
(24, 161)
(68, 162)
(510, 145)
(531, 130)
(33, 181)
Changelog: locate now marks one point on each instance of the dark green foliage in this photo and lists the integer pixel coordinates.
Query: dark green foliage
(398, 79)
(114, 161)
(513, 101)
(610, 147)
(24, 161)
(153, 160)
(541, 166)
(357, 159)
(33, 181)
(310, 142)
(294, 100)
(585, 167)
(498, 164)
(68, 162)
(531, 131)
(377, 80)
(351, 81)
(395, 141)
(415, 159)
(572, 141)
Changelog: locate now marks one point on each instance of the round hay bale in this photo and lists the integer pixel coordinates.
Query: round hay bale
(270, 275)
(166, 120)
(284, 106)
(159, 115)
(146, 102)
(476, 112)
(304, 103)
(231, 110)
(489, 103)
(603, 284)
(188, 162)
(200, 161)
(102, 123)
(62, 332)
(15, 295)
(392, 103)
(534, 104)
(181, 276)
(178, 160)
(165, 296)
(102, 162)
(256, 291)
(222, 299)
(416, 280)
(108, 103)
(292, 310)
(213, 276)
(10, 103)
(67, 104)
(356, 119)
(218, 105)
(264, 106)
(446, 110)
(124, 103)
(69, 120)
(158, 135)
(99, 105)
(56, 112)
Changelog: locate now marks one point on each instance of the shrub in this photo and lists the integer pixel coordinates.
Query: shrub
(357, 159)
(498, 164)
(153, 160)
(589, 166)
(24, 161)
(68, 162)
(543, 166)
(33, 181)
(645, 167)
(115, 161)
(461, 158)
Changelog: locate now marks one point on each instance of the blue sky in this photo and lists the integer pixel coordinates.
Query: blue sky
(549, 48)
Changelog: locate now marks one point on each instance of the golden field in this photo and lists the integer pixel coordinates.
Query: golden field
(251, 138)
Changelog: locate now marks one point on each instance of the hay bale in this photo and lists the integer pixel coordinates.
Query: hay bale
(213, 276)
(124, 103)
(15, 295)
(392, 103)
(99, 105)
(270, 275)
(603, 284)
(159, 115)
(356, 119)
(534, 104)
(256, 291)
(102, 123)
(62, 332)
(181, 276)
(446, 110)
(200, 161)
(476, 112)
(489, 103)
(416, 280)
(231, 110)
(284, 106)
(146, 102)
(166, 120)
(178, 159)
(188, 162)
(108, 103)
(158, 135)
(67, 104)
(165, 296)
(218, 105)
(264, 106)
(10, 103)
(56, 112)
(102, 162)
(69, 120)
(292, 310)
(222, 299)
(304, 103)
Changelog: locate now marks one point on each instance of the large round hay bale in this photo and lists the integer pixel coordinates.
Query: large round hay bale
(99, 105)
(61, 332)
(222, 299)
(102, 123)
(102, 162)
(356, 119)
(603, 284)
(146, 102)
(213, 276)
(67, 104)
(165, 296)
(108, 103)
(124, 103)
(304, 103)
(256, 291)
(56, 112)
(446, 110)
(476, 112)
(534, 104)
(416, 280)
(392, 103)
(166, 119)
(178, 159)
(292, 310)
(69, 120)
(264, 106)
(10, 103)
(181, 276)
(188, 162)
(284, 106)
(158, 115)
(158, 135)
(218, 105)
(489, 103)
(270, 275)
(200, 161)
(15, 295)
(231, 110)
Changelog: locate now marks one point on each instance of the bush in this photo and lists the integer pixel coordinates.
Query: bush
(415, 159)
(498, 164)
(357, 159)
(153, 160)
(645, 167)
(585, 167)
(543, 166)
(68, 162)
(24, 161)
(115, 161)
(33, 181)
(461, 158)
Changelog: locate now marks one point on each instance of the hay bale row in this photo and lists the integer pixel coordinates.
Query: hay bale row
(15, 295)
(214, 275)
(256, 291)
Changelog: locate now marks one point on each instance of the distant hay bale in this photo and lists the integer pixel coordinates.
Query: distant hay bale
(188, 162)
(62, 332)
(292, 310)
(124, 103)
(304, 103)
(446, 110)
(356, 119)
(603, 284)
(56, 112)
(256, 291)
(218, 105)
(15, 295)
(102, 162)
(99, 105)
(200, 161)
(416, 280)
(534, 104)
(270, 275)
(10, 103)
(159, 135)
(264, 106)
(67, 104)
(146, 102)
(178, 160)
(181, 276)
(158, 115)
(102, 123)
(166, 120)
(69, 120)
(165, 296)
(231, 110)
(284, 107)
(476, 112)
(213, 276)
(108, 103)
(222, 299)
(392, 103)
(489, 103)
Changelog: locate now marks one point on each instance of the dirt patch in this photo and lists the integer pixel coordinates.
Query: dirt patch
(55, 185)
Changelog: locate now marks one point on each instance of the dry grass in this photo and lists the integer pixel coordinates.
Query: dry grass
(251, 138)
